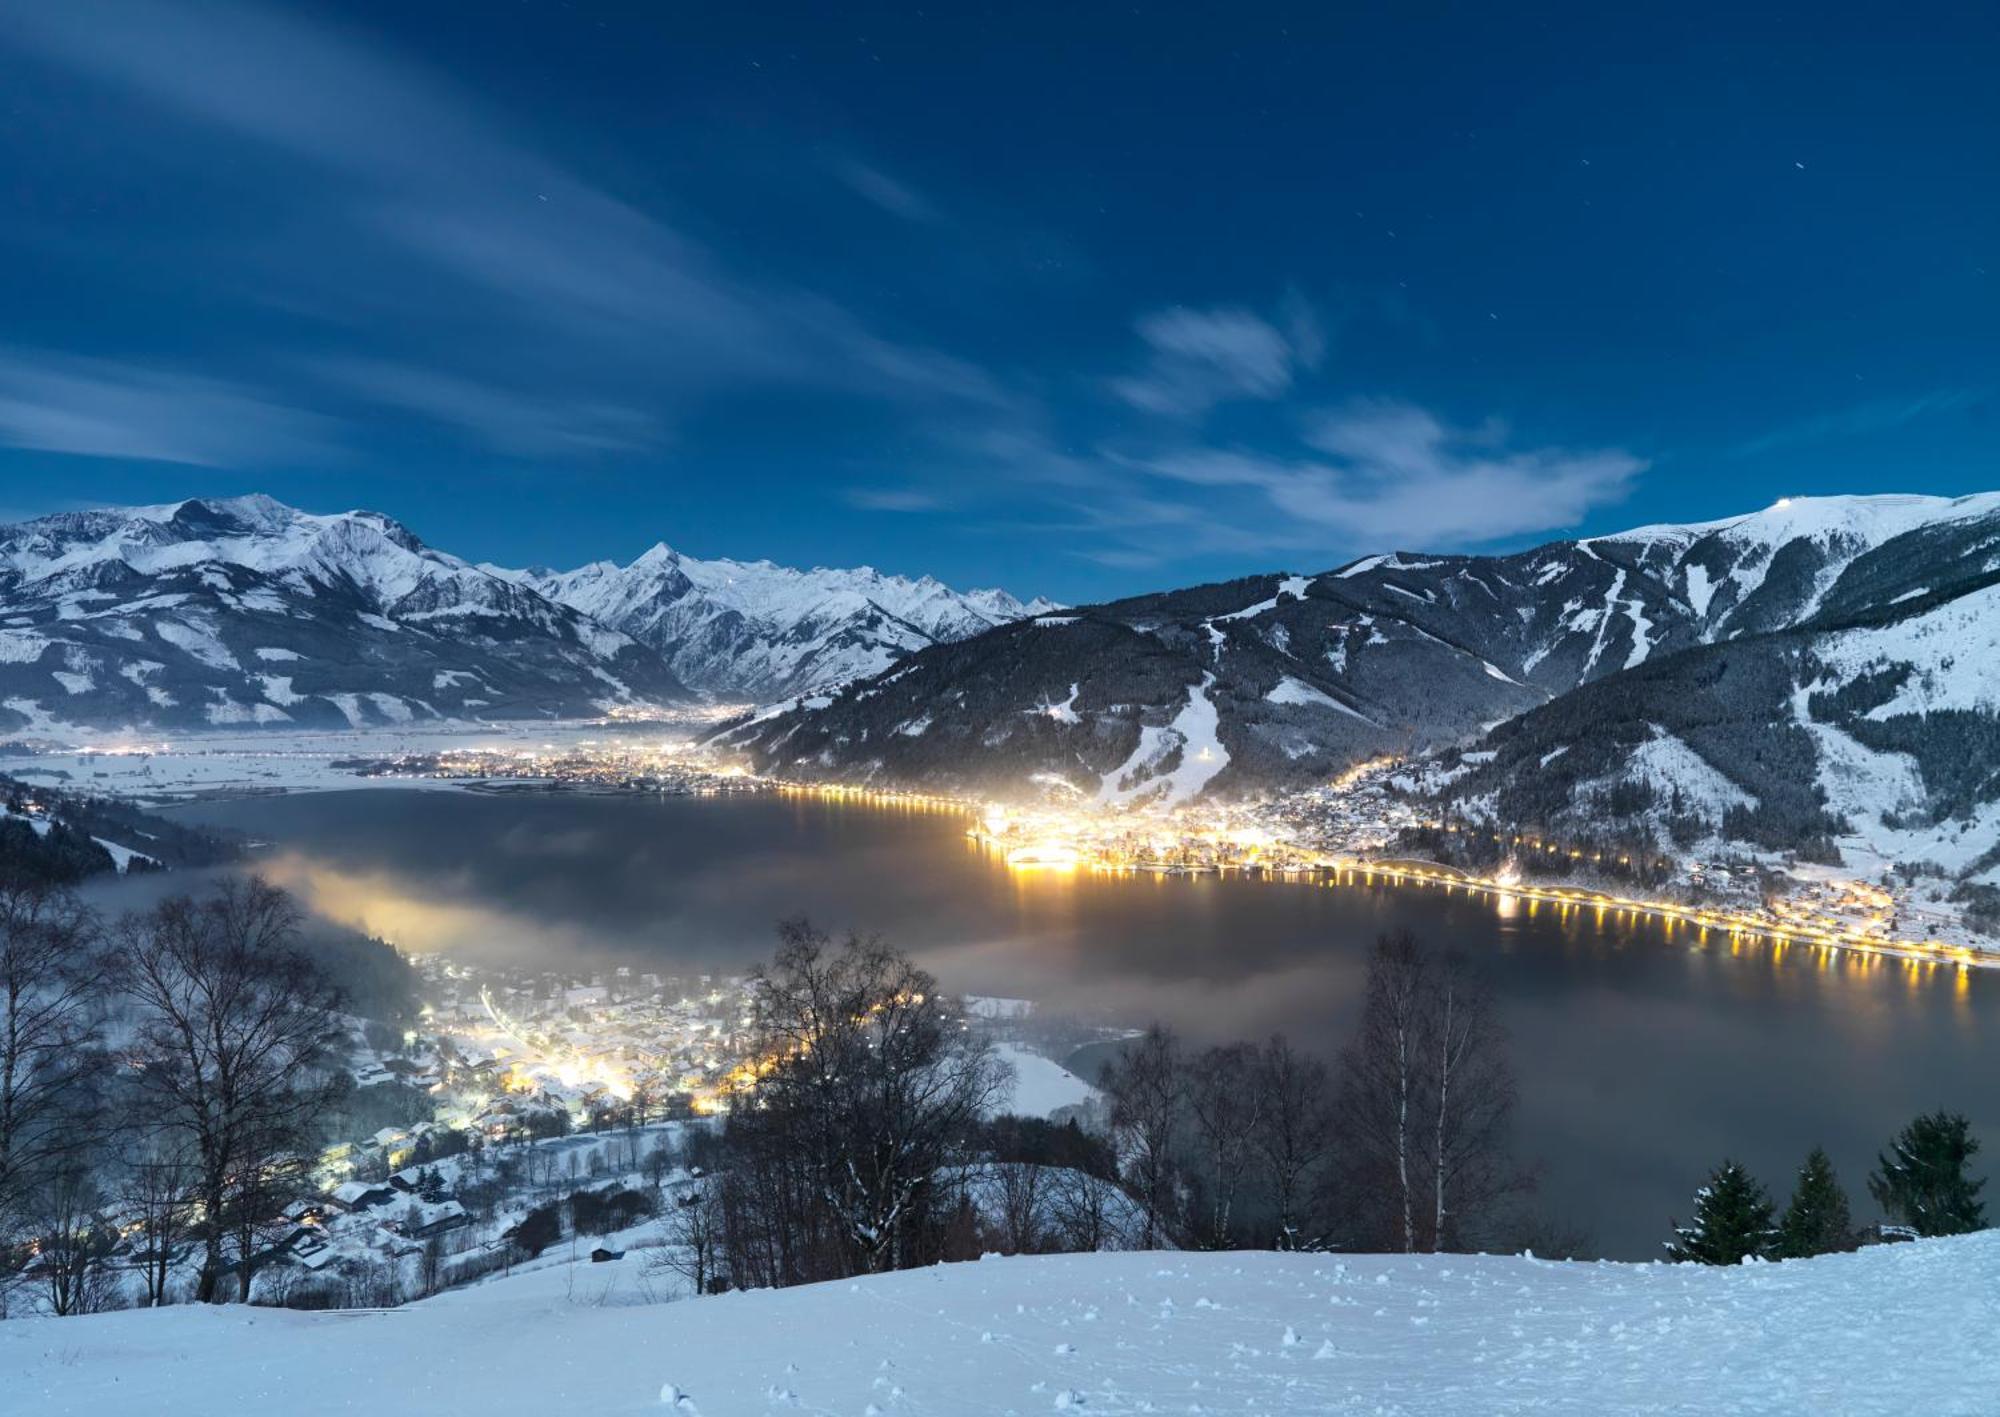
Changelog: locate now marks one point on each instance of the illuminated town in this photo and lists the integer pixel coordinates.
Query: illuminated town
(1357, 828)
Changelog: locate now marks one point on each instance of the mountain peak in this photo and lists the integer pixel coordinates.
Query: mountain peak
(754, 629)
(658, 554)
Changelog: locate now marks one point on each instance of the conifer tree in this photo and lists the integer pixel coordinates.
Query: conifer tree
(1921, 1181)
(1732, 1221)
(1816, 1222)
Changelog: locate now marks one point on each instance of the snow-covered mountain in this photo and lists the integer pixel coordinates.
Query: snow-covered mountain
(246, 611)
(1286, 678)
(1863, 719)
(750, 630)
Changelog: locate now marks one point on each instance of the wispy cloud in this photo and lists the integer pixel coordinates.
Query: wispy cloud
(1862, 419)
(893, 196)
(1397, 475)
(473, 237)
(1371, 475)
(1199, 358)
(508, 420)
(893, 499)
(104, 408)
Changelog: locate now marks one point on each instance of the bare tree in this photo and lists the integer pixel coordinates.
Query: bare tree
(1426, 1095)
(1381, 1099)
(1081, 1208)
(869, 1083)
(1294, 1134)
(1472, 1102)
(74, 1249)
(1020, 1186)
(49, 989)
(232, 1026)
(1225, 1108)
(263, 1188)
(694, 1233)
(158, 1192)
(1148, 1091)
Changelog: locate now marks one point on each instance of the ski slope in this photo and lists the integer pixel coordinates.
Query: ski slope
(1895, 1329)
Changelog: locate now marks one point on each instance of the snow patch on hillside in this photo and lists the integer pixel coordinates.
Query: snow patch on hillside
(1666, 763)
(1296, 691)
(1202, 756)
(1954, 651)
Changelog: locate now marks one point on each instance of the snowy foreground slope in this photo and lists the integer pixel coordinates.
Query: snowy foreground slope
(1900, 1329)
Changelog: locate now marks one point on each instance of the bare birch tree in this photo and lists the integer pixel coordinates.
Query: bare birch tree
(1425, 1100)
(1472, 1085)
(1225, 1108)
(1381, 1097)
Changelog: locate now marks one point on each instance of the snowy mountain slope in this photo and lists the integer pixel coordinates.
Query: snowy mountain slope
(739, 630)
(245, 611)
(1392, 653)
(1890, 1330)
(1870, 729)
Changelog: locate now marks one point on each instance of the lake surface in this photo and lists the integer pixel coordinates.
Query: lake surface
(1643, 1056)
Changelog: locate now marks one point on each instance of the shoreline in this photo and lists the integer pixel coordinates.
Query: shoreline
(263, 768)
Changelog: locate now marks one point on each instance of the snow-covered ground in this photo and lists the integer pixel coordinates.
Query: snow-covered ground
(192, 764)
(1042, 1086)
(1898, 1329)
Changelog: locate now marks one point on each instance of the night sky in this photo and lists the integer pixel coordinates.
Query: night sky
(1075, 299)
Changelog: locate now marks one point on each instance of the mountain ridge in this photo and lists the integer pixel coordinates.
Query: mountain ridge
(755, 630)
(1277, 681)
(243, 611)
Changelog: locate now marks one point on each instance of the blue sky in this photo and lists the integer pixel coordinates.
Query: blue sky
(1080, 300)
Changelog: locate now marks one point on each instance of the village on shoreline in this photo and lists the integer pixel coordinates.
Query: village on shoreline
(1367, 826)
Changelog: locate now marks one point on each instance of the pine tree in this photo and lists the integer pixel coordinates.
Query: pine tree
(1816, 1222)
(1922, 1180)
(1732, 1221)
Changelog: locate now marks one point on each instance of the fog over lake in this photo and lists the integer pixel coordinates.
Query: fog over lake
(1644, 1056)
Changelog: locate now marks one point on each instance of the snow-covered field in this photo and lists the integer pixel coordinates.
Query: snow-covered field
(192, 764)
(1898, 1329)
(1042, 1086)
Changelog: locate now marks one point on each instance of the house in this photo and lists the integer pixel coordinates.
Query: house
(363, 1195)
(394, 1146)
(307, 1248)
(423, 1221)
(311, 1211)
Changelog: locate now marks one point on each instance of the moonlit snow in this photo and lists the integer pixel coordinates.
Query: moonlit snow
(1897, 1329)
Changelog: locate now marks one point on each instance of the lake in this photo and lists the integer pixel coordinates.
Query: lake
(1644, 1056)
